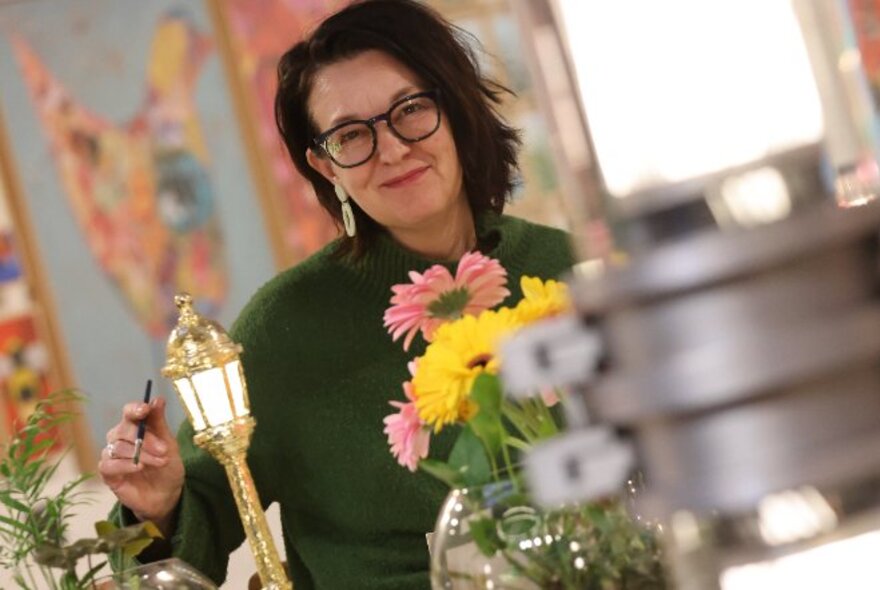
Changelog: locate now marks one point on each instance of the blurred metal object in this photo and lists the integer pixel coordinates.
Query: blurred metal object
(742, 364)
(733, 331)
(746, 365)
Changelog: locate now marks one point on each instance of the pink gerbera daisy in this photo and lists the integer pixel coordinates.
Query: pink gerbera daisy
(407, 434)
(435, 297)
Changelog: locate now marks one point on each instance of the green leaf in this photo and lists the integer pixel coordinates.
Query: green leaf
(486, 391)
(132, 539)
(442, 471)
(20, 526)
(90, 575)
(517, 443)
(10, 502)
(468, 457)
(133, 548)
(69, 582)
(152, 530)
(486, 423)
(43, 445)
(104, 528)
(485, 535)
(599, 517)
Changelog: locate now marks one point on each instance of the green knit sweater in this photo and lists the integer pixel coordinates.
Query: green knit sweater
(321, 370)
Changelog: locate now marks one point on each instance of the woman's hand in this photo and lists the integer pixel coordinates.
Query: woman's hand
(152, 488)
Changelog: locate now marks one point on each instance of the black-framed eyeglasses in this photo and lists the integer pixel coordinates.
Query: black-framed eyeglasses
(412, 118)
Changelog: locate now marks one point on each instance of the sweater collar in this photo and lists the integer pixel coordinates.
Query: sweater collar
(388, 263)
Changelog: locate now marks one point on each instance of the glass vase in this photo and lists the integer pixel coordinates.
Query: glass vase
(167, 574)
(491, 537)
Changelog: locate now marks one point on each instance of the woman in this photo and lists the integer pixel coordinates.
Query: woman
(383, 109)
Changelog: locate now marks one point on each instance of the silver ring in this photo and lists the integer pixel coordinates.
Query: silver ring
(111, 450)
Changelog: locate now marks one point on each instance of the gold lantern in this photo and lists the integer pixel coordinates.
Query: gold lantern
(203, 363)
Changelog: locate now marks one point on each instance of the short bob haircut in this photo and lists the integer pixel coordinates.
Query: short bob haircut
(440, 55)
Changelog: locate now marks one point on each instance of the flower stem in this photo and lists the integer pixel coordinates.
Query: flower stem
(518, 419)
(508, 465)
(546, 415)
(494, 463)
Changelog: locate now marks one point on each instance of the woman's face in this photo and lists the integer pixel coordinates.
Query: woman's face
(406, 187)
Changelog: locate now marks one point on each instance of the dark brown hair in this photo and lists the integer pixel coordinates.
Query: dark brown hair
(440, 54)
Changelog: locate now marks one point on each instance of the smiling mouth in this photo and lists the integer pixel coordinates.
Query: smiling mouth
(405, 179)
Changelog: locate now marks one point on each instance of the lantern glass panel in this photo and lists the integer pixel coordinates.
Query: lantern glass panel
(235, 377)
(211, 388)
(186, 393)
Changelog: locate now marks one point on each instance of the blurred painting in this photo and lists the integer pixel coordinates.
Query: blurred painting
(139, 188)
(24, 356)
(24, 366)
(130, 162)
(866, 22)
(261, 31)
(495, 33)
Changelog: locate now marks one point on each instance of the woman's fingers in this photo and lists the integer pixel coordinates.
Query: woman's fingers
(124, 449)
(153, 485)
(156, 421)
(133, 413)
(114, 463)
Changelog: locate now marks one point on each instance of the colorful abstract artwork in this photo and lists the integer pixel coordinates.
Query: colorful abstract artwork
(124, 140)
(24, 366)
(24, 357)
(139, 189)
(262, 30)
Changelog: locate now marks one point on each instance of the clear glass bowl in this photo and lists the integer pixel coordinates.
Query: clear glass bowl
(167, 574)
(493, 538)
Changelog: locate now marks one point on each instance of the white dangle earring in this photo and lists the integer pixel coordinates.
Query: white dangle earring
(347, 213)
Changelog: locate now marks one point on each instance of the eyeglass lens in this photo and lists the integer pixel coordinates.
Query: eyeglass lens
(414, 119)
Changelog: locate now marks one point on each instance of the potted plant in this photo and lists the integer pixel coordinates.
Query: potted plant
(34, 522)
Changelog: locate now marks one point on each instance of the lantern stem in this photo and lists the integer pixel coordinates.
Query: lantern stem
(228, 443)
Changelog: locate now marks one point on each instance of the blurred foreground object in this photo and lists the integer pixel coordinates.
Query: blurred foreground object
(203, 364)
(667, 122)
(744, 367)
(741, 364)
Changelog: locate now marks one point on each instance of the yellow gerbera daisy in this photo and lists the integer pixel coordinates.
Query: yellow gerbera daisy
(541, 299)
(461, 351)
